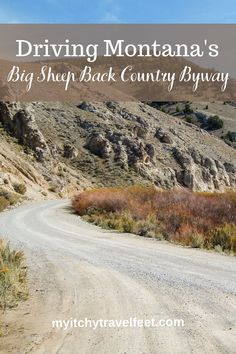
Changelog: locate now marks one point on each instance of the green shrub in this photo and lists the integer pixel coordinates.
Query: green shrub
(54, 188)
(4, 203)
(189, 119)
(12, 198)
(187, 109)
(215, 122)
(197, 241)
(225, 237)
(230, 136)
(20, 188)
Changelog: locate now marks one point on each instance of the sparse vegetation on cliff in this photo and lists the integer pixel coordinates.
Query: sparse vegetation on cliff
(7, 199)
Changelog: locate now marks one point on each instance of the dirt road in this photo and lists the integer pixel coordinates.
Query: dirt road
(80, 271)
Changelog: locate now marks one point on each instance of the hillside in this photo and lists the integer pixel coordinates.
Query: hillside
(198, 113)
(55, 149)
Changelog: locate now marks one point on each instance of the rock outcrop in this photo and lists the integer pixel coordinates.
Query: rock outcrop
(28, 134)
(70, 151)
(24, 127)
(99, 145)
(118, 143)
(163, 136)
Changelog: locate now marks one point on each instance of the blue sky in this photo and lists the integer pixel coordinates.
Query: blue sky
(117, 11)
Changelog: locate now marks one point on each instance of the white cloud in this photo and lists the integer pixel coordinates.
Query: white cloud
(112, 12)
(110, 17)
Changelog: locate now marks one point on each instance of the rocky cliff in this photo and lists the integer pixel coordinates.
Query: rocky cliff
(58, 148)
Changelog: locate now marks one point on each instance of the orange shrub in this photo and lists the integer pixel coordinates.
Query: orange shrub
(183, 216)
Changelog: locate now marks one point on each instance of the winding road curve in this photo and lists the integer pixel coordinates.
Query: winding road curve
(80, 271)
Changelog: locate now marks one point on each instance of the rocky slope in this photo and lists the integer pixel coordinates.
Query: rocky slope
(199, 114)
(57, 148)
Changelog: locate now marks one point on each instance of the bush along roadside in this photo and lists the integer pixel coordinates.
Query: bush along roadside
(8, 198)
(13, 276)
(200, 220)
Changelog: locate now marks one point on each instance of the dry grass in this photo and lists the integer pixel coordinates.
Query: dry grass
(203, 220)
(13, 284)
(20, 188)
(8, 198)
(3, 203)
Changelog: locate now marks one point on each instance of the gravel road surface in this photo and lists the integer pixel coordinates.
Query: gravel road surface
(79, 271)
